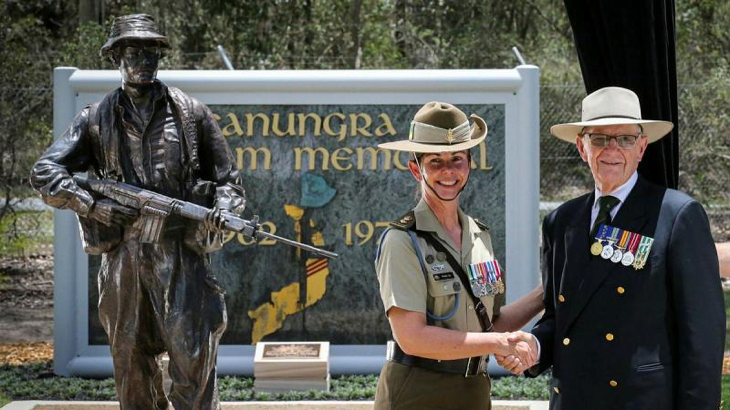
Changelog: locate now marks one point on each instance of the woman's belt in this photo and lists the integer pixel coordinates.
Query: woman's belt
(469, 367)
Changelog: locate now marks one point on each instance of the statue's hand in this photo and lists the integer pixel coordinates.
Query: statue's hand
(216, 219)
(110, 212)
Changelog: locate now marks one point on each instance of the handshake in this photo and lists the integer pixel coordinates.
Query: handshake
(517, 351)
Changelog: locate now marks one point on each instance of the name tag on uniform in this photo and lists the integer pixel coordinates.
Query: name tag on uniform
(443, 276)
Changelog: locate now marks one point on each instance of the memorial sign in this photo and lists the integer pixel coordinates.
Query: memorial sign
(306, 144)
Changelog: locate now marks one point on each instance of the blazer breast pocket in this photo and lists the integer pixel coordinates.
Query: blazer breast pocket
(649, 367)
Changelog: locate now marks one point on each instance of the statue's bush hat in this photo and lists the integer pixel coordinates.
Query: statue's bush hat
(440, 127)
(134, 27)
(611, 106)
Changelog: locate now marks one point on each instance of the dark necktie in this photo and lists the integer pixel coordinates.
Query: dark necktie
(605, 205)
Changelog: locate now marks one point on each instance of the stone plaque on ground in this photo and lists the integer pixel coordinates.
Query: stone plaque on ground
(296, 366)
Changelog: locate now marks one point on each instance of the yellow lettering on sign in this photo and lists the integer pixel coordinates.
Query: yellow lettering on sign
(355, 129)
(336, 158)
(234, 127)
(250, 121)
(373, 151)
(341, 131)
(303, 124)
(311, 155)
(483, 162)
(253, 155)
(386, 127)
(397, 160)
(290, 129)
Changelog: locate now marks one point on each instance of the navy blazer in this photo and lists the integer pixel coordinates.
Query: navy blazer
(621, 338)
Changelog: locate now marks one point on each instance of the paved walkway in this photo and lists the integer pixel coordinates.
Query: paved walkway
(260, 405)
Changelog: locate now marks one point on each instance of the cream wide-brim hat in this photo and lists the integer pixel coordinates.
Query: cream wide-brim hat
(440, 127)
(611, 106)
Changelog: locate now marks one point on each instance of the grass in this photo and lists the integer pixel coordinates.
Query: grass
(37, 382)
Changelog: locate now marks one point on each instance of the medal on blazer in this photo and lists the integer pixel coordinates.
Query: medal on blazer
(608, 249)
(622, 246)
(618, 253)
(642, 253)
(597, 246)
(628, 258)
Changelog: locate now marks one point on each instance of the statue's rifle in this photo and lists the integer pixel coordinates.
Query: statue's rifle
(154, 208)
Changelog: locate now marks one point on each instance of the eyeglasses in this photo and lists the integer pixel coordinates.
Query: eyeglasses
(138, 52)
(603, 140)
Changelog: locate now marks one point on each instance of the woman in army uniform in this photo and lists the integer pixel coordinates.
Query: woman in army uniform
(439, 281)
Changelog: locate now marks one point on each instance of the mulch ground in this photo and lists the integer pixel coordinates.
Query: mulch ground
(25, 353)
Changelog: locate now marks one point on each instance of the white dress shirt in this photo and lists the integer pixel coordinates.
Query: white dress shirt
(620, 193)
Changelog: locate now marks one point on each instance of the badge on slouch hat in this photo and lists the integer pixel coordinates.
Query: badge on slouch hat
(485, 278)
(622, 246)
(440, 127)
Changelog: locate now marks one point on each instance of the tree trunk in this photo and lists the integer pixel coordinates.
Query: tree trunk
(355, 24)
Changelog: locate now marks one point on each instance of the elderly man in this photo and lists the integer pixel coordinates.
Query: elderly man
(153, 297)
(634, 313)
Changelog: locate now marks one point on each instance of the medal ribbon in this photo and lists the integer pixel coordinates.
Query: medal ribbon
(602, 232)
(624, 238)
(634, 242)
(643, 252)
(485, 272)
(614, 235)
(490, 269)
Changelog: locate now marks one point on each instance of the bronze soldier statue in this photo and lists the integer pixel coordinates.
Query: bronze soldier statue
(154, 296)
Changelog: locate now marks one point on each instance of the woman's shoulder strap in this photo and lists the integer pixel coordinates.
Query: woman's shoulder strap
(406, 222)
(481, 225)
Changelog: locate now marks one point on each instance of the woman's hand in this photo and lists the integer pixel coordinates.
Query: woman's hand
(518, 351)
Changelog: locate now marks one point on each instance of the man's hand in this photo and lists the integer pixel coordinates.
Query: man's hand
(514, 362)
(110, 212)
(519, 352)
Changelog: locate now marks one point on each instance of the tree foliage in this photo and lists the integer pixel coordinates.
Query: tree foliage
(39, 35)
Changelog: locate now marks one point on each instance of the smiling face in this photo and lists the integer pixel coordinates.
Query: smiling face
(446, 173)
(138, 62)
(611, 166)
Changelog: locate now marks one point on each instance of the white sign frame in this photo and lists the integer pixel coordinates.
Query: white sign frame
(517, 89)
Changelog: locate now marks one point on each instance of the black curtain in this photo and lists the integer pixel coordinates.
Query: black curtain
(630, 44)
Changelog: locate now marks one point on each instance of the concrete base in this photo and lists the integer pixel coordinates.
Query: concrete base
(254, 405)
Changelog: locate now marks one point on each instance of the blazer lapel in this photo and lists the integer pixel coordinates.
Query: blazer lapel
(632, 217)
(577, 255)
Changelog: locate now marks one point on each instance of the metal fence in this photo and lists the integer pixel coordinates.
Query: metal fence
(704, 171)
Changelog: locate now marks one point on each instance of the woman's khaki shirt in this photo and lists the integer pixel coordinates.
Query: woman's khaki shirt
(401, 278)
